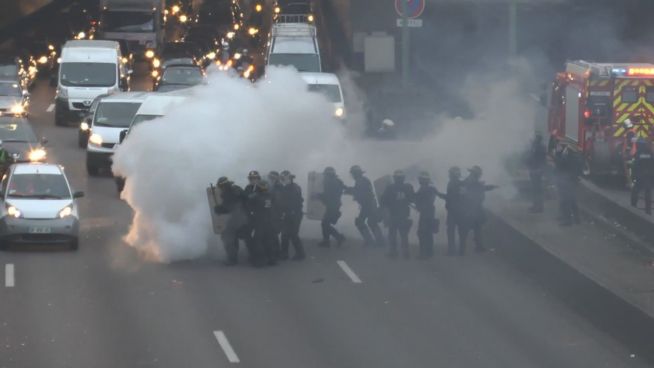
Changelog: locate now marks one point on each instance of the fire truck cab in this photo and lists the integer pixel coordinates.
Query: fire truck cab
(599, 110)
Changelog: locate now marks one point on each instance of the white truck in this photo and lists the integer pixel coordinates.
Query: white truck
(139, 23)
(87, 69)
(295, 44)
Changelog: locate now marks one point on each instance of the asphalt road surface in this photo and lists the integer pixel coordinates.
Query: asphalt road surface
(104, 307)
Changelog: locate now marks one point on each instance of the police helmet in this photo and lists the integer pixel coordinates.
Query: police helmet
(356, 170)
(329, 171)
(273, 175)
(287, 174)
(475, 170)
(254, 175)
(423, 175)
(454, 171)
(223, 180)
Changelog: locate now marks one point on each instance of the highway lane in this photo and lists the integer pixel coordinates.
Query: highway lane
(103, 307)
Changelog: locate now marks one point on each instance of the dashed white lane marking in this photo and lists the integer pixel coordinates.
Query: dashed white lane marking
(50, 108)
(348, 271)
(226, 346)
(10, 280)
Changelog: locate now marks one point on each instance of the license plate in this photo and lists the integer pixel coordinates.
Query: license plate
(40, 230)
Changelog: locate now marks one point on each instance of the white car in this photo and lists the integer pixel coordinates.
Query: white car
(38, 206)
(329, 86)
(14, 100)
(112, 115)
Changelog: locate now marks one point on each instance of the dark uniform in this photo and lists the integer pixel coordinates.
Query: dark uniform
(260, 208)
(473, 215)
(453, 204)
(331, 196)
(567, 172)
(397, 199)
(643, 175)
(368, 220)
(427, 223)
(536, 163)
(236, 228)
(292, 205)
(5, 160)
(275, 188)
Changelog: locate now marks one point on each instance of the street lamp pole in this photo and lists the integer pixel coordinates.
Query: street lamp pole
(405, 43)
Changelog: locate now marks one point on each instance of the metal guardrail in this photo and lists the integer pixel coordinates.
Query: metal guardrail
(295, 18)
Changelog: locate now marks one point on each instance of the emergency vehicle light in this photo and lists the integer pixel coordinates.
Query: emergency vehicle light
(620, 71)
(640, 71)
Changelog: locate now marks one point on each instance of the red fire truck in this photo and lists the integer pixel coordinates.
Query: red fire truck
(599, 110)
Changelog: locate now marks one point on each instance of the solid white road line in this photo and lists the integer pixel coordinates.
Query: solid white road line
(348, 271)
(226, 346)
(10, 280)
(50, 108)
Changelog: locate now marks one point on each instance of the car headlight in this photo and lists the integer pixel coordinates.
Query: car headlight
(37, 154)
(65, 212)
(43, 59)
(175, 9)
(183, 18)
(84, 126)
(17, 109)
(231, 35)
(155, 73)
(124, 60)
(253, 31)
(277, 10)
(156, 62)
(258, 8)
(237, 56)
(95, 139)
(13, 212)
(62, 93)
(149, 54)
(339, 112)
(211, 55)
(310, 18)
(81, 35)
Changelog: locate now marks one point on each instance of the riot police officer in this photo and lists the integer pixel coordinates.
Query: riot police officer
(397, 199)
(331, 197)
(473, 213)
(236, 228)
(276, 188)
(453, 204)
(427, 224)
(292, 204)
(536, 163)
(643, 174)
(368, 220)
(260, 205)
(567, 171)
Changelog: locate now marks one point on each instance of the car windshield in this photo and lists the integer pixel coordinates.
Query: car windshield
(38, 186)
(115, 114)
(16, 130)
(331, 91)
(10, 89)
(88, 74)
(182, 75)
(123, 21)
(8, 71)
(301, 62)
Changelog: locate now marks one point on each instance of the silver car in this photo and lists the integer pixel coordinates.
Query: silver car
(38, 206)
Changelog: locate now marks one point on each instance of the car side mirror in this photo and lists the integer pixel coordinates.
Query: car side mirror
(122, 136)
(44, 141)
(78, 194)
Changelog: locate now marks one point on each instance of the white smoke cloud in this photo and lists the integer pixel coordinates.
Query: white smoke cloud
(231, 127)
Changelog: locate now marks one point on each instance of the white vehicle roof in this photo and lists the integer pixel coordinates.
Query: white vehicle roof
(158, 104)
(90, 51)
(294, 38)
(37, 168)
(320, 78)
(125, 97)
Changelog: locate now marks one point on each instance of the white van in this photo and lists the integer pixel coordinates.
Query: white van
(87, 69)
(329, 86)
(113, 114)
(295, 44)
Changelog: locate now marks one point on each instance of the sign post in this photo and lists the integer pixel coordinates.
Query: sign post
(409, 11)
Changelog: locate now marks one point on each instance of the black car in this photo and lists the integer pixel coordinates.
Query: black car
(223, 15)
(20, 141)
(176, 77)
(294, 11)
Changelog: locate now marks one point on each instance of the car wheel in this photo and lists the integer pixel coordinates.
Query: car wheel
(74, 244)
(82, 141)
(92, 170)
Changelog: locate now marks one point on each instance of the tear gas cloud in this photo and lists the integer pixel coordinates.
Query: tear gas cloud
(231, 126)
